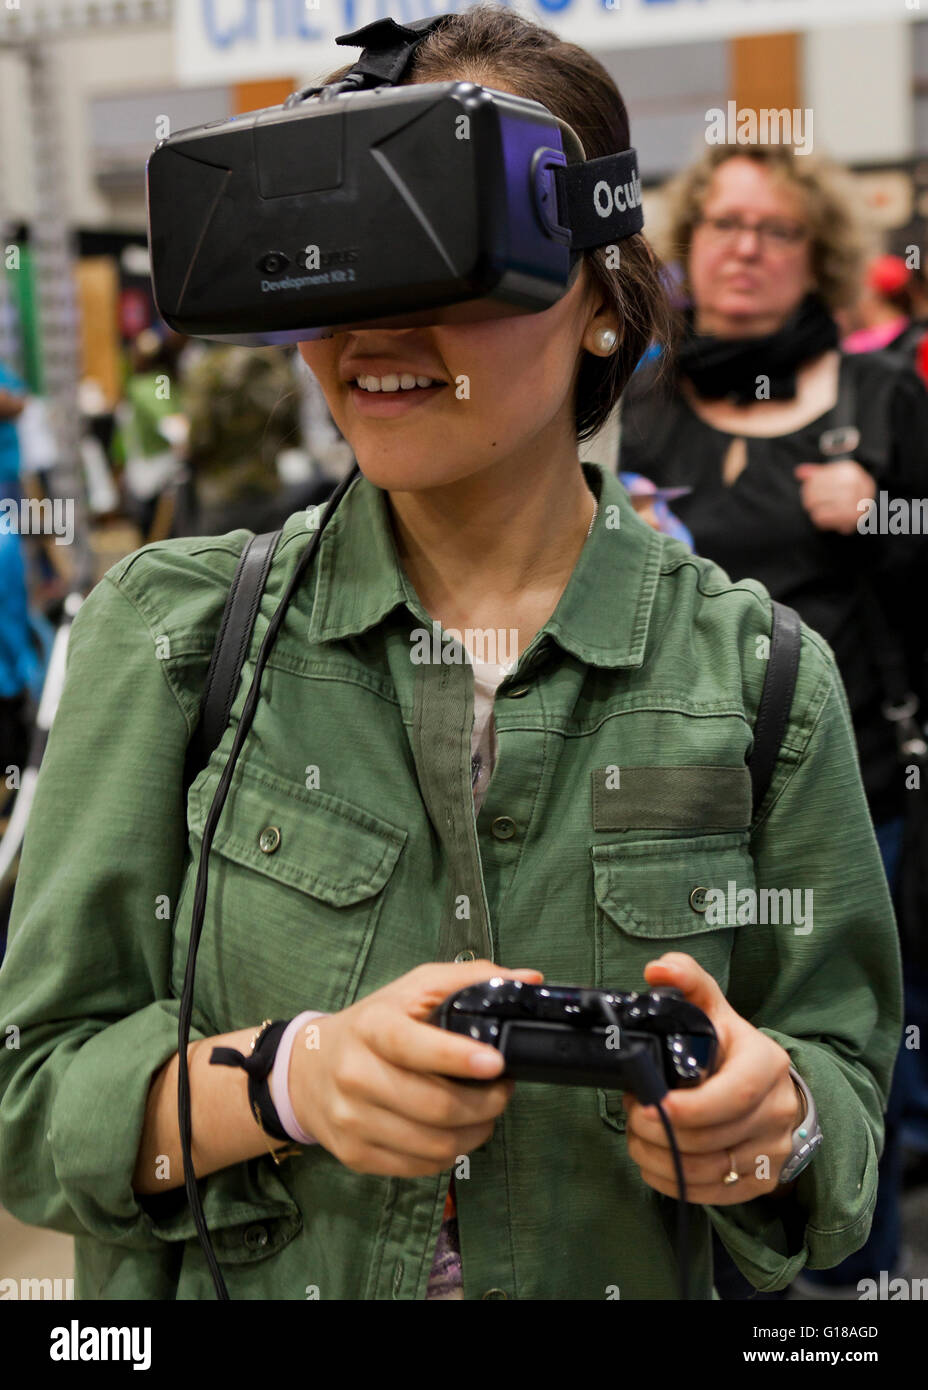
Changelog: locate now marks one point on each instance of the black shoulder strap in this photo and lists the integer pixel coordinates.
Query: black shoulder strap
(232, 642)
(776, 698)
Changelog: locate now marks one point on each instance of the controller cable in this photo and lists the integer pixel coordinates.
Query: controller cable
(185, 1012)
(650, 1089)
(683, 1251)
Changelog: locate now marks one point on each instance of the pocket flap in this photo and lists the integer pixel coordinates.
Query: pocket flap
(650, 887)
(311, 840)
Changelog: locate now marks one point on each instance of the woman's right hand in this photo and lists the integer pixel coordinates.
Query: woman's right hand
(380, 1089)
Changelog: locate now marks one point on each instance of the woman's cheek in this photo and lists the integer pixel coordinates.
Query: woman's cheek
(703, 273)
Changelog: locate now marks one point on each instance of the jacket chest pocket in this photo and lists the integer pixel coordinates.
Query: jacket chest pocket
(297, 882)
(654, 896)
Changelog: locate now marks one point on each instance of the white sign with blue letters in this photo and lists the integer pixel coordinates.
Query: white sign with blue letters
(235, 40)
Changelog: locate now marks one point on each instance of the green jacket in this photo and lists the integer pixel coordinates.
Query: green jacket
(652, 663)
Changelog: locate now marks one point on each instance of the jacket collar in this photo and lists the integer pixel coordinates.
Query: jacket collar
(602, 616)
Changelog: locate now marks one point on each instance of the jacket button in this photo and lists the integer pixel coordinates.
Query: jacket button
(256, 1237)
(463, 957)
(698, 899)
(503, 828)
(514, 694)
(495, 1293)
(269, 839)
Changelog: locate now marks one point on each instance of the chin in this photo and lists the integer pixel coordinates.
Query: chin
(745, 307)
(400, 475)
(405, 474)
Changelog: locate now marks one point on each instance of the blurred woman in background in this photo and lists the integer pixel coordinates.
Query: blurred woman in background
(786, 443)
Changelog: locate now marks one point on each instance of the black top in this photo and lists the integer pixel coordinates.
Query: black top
(757, 527)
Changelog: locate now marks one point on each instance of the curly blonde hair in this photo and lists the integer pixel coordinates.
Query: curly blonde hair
(840, 239)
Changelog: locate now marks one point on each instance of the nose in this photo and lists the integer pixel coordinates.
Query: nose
(393, 332)
(369, 335)
(753, 246)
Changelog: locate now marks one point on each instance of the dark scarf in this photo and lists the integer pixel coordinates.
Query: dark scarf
(730, 367)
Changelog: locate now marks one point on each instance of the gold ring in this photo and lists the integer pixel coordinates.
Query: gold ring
(731, 1176)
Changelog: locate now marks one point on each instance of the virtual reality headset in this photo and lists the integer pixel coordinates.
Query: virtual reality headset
(364, 204)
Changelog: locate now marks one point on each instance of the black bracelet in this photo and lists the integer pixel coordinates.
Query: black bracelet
(259, 1066)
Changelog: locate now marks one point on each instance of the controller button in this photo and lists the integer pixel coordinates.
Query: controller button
(698, 899)
(503, 828)
(463, 957)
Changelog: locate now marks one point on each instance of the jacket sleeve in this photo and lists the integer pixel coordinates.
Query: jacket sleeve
(86, 982)
(829, 991)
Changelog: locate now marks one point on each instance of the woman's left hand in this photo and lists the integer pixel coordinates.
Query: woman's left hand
(746, 1111)
(831, 493)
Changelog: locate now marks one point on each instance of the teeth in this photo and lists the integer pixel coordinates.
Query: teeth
(393, 382)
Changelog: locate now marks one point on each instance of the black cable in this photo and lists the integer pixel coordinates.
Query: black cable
(650, 1089)
(683, 1241)
(199, 900)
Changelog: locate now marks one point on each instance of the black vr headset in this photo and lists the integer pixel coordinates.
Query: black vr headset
(364, 204)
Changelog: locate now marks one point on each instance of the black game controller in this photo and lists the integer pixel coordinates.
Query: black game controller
(646, 1043)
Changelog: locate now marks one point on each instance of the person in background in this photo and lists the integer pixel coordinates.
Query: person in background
(18, 659)
(12, 403)
(752, 415)
(243, 409)
(884, 316)
(150, 460)
(653, 506)
(19, 663)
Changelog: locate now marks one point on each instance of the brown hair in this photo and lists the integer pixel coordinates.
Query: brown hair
(839, 239)
(497, 48)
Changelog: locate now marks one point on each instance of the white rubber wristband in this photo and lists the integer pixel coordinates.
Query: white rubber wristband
(280, 1073)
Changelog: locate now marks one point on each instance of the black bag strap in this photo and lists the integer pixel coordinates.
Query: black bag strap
(232, 642)
(776, 698)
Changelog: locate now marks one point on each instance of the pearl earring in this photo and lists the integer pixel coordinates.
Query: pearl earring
(606, 339)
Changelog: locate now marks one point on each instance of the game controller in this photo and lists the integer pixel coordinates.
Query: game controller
(647, 1043)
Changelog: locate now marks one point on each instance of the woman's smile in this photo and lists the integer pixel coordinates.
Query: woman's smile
(387, 404)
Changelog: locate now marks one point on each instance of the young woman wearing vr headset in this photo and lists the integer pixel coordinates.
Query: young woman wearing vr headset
(571, 806)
